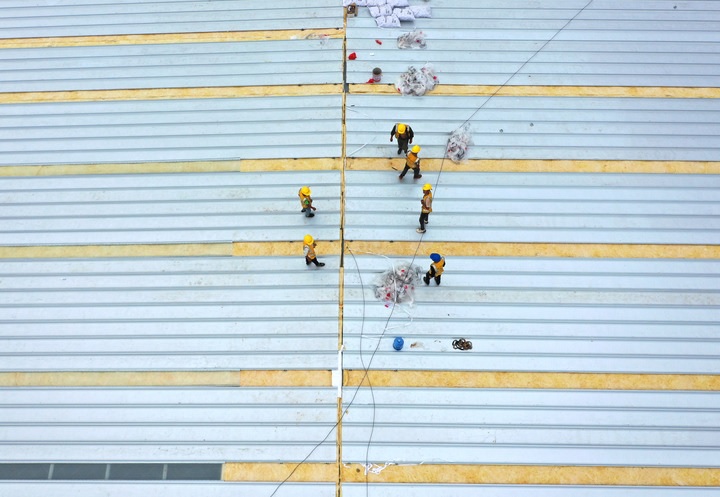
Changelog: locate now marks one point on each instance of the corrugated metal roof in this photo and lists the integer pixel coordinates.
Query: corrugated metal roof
(168, 314)
(167, 208)
(171, 130)
(168, 489)
(207, 424)
(536, 207)
(541, 127)
(522, 314)
(568, 315)
(612, 42)
(46, 18)
(545, 427)
(282, 62)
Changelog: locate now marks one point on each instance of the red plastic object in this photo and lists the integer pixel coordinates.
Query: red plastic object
(378, 42)
(371, 80)
(352, 56)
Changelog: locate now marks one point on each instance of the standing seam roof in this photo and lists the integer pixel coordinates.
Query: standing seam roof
(537, 315)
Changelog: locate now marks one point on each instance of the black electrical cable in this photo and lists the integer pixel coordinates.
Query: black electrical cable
(366, 370)
(417, 249)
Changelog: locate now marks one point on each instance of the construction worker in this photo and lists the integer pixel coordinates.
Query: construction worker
(426, 204)
(309, 251)
(412, 161)
(436, 269)
(306, 201)
(404, 135)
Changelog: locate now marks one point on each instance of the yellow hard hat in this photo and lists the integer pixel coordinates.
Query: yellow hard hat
(401, 128)
(305, 190)
(416, 149)
(308, 239)
(427, 187)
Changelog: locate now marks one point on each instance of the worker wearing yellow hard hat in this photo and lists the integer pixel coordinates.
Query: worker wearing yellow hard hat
(412, 161)
(309, 245)
(306, 201)
(404, 134)
(426, 207)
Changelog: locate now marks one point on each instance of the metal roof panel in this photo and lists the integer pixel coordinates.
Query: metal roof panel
(536, 207)
(171, 130)
(421, 425)
(168, 314)
(167, 208)
(208, 424)
(541, 127)
(607, 44)
(281, 62)
(579, 315)
(103, 17)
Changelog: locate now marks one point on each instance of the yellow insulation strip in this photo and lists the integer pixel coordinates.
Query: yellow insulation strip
(267, 249)
(245, 165)
(260, 378)
(542, 166)
(238, 249)
(535, 475)
(157, 39)
(168, 93)
(489, 379)
(549, 91)
(277, 472)
(72, 251)
(588, 250)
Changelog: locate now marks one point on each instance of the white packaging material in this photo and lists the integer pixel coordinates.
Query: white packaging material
(417, 81)
(413, 39)
(385, 10)
(429, 71)
(359, 3)
(404, 14)
(387, 21)
(421, 10)
(398, 3)
(376, 2)
(397, 285)
(374, 11)
(458, 143)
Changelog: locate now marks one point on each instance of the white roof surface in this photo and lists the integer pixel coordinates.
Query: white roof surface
(167, 208)
(650, 316)
(611, 42)
(48, 18)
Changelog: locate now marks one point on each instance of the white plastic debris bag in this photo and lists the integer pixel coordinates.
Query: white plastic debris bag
(398, 3)
(413, 39)
(417, 81)
(458, 144)
(429, 72)
(376, 2)
(404, 14)
(421, 11)
(397, 285)
(374, 11)
(387, 21)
